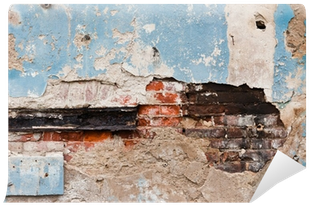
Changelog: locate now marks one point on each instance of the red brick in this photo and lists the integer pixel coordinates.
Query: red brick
(72, 136)
(149, 110)
(143, 122)
(170, 110)
(73, 146)
(51, 136)
(229, 156)
(167, 97)
(125, 100)
(212, 157)
(165, 121)
(155, 86)
(17, 137)
(96, 136)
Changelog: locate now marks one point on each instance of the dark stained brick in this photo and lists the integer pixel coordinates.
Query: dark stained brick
(232, 167)
(215, 132)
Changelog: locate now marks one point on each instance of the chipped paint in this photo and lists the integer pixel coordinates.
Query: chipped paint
(129, 39)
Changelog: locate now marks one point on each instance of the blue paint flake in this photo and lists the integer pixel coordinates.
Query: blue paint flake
(192, 42)
(285, 65)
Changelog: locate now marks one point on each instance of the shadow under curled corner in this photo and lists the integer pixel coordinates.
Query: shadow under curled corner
(281, 169)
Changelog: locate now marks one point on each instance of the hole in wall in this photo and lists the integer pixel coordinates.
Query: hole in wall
(46, 175)
(260, 25)
(45, 6)
(86, 38)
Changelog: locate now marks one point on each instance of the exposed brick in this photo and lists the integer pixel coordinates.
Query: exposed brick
(205, 110)
(73, 146)
(267, 120)
(15, 146)
(212, 157)
(214, 132)
(239, 120)
(254, 166)
(143, 122)
(166, 121)
(258, 155)
(219, 120)
(51, 136)
(262, 108)
(170, 110)
(243, 143)
(266, 143)
(72, 136)
(155, 86)
(232, 167)
(236, 132)
(276, 132)
(96, 136)
(229, 156)
(149, 110)
(125, 100)
(168, 97)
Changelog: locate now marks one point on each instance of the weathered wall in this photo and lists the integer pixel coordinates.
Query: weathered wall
(96, 56)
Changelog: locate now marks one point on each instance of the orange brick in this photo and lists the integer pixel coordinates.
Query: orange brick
(149, 110)
(170, 110)
(72, 136)
(155, 86)
(96, 136)
(167, 97)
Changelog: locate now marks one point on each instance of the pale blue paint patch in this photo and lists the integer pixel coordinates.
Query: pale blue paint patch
(303, 162)
(35, 175)
(191, 40)
(304, 129)
(285, 65)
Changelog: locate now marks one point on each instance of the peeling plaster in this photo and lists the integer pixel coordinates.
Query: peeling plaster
(251, 49)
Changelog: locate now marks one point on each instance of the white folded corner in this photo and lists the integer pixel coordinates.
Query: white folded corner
(281, 168)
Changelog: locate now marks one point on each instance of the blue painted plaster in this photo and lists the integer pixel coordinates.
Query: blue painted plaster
(27, 176)
(285, 65)
(182, 35)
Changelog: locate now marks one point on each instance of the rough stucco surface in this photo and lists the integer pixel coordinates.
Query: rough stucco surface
(169, 168)
(107, 57)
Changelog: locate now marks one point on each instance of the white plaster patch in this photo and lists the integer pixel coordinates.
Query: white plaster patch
(149, 28)
(113, 12)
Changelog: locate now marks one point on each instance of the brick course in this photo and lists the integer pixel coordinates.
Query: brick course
(243, 129)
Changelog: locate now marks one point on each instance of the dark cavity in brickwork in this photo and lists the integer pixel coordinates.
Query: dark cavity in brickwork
(113, 119)
(244, 130)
